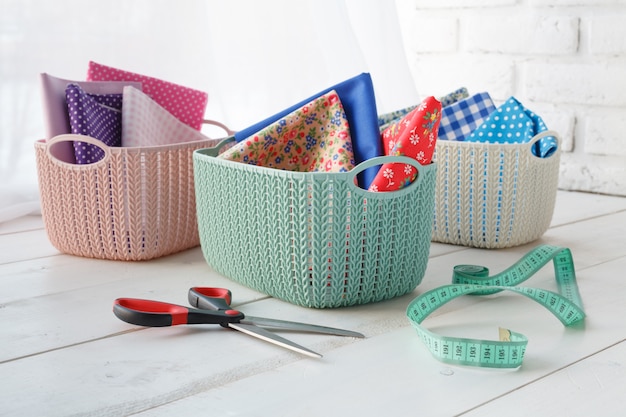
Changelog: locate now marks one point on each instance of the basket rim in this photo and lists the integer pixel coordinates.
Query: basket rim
(497, 146)
(47, 144)
(206, 155)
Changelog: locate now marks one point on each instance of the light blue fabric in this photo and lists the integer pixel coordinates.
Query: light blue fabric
(513, 123)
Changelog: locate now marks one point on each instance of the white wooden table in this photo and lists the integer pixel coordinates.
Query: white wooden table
(63, 352)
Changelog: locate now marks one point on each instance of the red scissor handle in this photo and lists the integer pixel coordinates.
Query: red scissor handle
(159, 314)
(210, 298)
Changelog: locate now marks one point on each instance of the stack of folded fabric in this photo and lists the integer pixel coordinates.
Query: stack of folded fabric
(121, 108)
(332, 131)
(338, 128)
(354, 112)
(476, 119)
(315, 137)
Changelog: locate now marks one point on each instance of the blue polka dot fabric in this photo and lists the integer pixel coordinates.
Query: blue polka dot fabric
(98, 116)
(513, 123)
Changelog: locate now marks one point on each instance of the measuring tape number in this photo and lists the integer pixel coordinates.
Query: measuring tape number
(508, 352)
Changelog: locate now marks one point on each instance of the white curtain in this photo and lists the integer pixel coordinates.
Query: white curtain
(253, 57)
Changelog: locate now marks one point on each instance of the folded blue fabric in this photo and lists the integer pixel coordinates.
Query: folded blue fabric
(359, 103)
(513, 123)
(460, 119)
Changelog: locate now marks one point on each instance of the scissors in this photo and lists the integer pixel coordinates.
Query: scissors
(213, 307)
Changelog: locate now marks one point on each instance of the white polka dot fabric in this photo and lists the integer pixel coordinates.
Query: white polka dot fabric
(146, 123)
(53, 95)
(513, 123)
(187, 104)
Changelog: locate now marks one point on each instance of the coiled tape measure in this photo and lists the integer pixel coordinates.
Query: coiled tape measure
(508, 352)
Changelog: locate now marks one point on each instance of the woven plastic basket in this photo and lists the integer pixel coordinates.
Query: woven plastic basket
(134, 204)
(493, 195)
(313, 239)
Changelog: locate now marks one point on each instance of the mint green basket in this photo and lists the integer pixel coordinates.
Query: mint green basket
(310, 238)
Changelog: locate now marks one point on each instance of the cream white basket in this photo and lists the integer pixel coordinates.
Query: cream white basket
(493, 195)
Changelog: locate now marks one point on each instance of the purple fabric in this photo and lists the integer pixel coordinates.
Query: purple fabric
(98, 116)
(109, 100)
(55, 107)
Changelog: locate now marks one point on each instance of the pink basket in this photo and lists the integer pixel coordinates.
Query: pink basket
(134, 204)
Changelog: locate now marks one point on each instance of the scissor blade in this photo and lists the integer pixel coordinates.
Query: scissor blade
(303, 327)
(268, 336)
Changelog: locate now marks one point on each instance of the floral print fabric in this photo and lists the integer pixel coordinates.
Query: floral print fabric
(315, 137)
(358, 101)
(415, 136)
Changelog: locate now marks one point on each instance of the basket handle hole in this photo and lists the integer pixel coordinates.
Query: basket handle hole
(376, 173)
(63, 151)
(213, 128)
(75, 152)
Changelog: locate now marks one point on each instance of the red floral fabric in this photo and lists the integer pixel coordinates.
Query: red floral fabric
(415, 136)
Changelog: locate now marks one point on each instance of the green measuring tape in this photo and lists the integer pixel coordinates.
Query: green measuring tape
(508, 352)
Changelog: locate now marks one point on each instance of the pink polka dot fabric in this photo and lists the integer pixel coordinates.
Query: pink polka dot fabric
(187, 104)
(146, 123)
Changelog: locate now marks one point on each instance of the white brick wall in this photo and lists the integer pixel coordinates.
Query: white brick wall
(564, 59)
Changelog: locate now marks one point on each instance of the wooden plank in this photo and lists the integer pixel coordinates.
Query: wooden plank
(593, 386)
(40, 297)
(593, 241)
(573, 206)
(129, 372)
(64, 273)
(570, 207)
(26, 245)
(21, 224)
(56, 303)
(393, 372)
(64, 351)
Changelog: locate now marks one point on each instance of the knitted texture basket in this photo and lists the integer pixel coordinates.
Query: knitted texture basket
(134, 204)
(313, 239)
(493, 195)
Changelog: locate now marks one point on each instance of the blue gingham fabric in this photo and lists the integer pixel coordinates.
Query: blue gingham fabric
(460, 119)
(513, 123)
